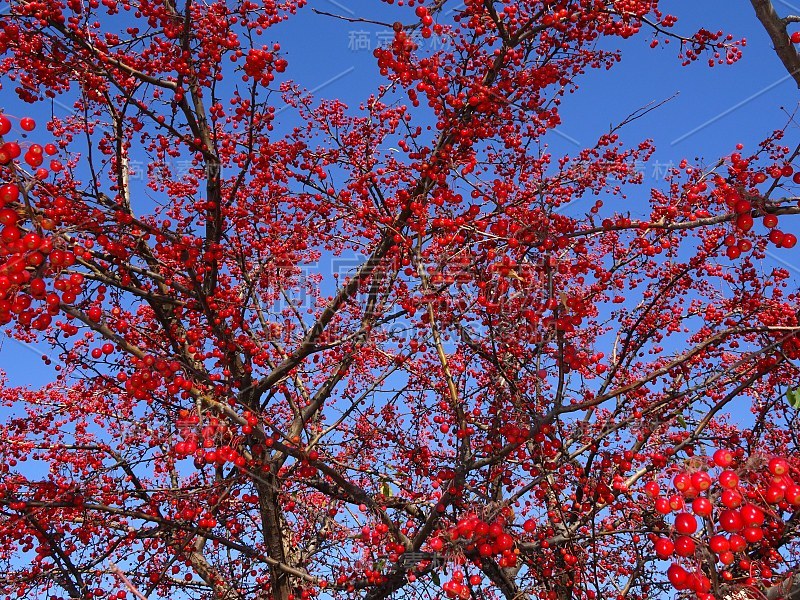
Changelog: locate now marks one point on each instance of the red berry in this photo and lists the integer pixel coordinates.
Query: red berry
(685, 523)
(701, 480)
(529, 526)
(723, 458)
(652, 489)
(27, 124)
(504, 542)
(677, 576)
(12, 149)
(733, 252)
(774, 494)
(751, 514)
(719, 543)
(731, 498)
(9, 193)
(33, 159)
(778, 466)
(728, 479)
(731, 520)
(684, 546)
(663, 506)
(664, 548)
(753, 534)
(744, 222)
(792, 494)
(676, 502)
(702, 507)
(8, 216)
(737, 542)
(701, 584)
(776, 237)
(682, 482)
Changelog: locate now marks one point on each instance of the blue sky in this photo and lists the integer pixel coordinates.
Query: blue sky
(710, 111)
(725, 104)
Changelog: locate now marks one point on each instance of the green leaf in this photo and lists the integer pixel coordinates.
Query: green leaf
(681, 421)
(435, 578)
(793, 397)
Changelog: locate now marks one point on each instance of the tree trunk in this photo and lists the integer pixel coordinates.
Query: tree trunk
(273, 535)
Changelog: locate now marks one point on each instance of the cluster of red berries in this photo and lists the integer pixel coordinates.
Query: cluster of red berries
(34, 154)
(187, 512)
(28, 253)
(487, 539)
(148, 374)
(746, 209)
(456, 587)
(744, 222)
(726, 512)
(261, 63)
(214, 443)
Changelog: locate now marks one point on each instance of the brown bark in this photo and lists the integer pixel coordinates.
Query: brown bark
(273, 536)
(776, 28)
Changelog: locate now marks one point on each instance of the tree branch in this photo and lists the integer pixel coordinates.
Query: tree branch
(776, 28)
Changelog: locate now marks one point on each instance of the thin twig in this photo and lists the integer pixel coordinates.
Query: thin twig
(350, 19)
(127, 582)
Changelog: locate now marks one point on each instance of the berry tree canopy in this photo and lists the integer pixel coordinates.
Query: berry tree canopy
(310, 349)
